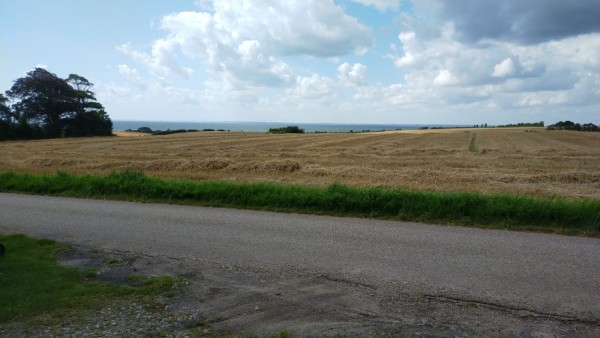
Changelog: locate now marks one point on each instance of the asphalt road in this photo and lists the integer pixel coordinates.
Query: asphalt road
(544, 273)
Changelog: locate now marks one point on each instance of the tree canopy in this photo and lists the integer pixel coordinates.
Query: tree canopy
(46, 106)
(569, 125)
(286, 130)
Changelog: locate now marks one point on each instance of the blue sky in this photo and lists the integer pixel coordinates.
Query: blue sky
(352, 61)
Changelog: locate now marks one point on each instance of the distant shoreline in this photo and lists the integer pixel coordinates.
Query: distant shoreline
(121, 125)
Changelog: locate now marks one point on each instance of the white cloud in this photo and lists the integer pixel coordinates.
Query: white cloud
(504, 68)
(250, 66)
(162, 61)
(381, 5)
(129, 73)
(445, 78)
(496, 76)
(274, 57)
(243, 43)
(312, 87)
(355, 74)
(132, 75)
(408, 40)
(511, 67)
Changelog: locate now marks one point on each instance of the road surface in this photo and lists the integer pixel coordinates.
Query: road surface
(544, 273)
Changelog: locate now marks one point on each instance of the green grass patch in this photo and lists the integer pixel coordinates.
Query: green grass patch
(33, 283)
(464, 208)
(473, 144)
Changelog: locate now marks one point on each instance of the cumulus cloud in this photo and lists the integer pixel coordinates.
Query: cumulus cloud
(244, 42)
(445, 78)
(409, 43)
(494, 72)
(251, 66)
(464, 58)
(162, 61)
(312, 87)
(512, 67)
(504, 68)
(355, 74)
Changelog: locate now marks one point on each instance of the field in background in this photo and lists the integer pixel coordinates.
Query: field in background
(519, 161)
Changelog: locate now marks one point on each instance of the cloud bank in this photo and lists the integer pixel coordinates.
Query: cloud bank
(463, 61)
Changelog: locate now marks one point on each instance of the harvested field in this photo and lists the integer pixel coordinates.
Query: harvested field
(531, 161)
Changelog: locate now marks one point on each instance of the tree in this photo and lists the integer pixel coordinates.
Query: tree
(45, 99)
(5, 111)
(569, 125)
(55, 107)
(288, 129)
(6, 119)
(589, 127)
(90, 117)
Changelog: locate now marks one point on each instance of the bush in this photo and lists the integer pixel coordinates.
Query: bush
(176, 131)
(286, 130)
(144, 130)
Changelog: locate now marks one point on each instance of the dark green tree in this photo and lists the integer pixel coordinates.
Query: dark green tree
(6, 119)
(48, 106)
(569, 125)
(90, 117)
(5, 111)
(44, 99)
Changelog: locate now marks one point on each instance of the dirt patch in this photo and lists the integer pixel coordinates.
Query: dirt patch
(258, 301)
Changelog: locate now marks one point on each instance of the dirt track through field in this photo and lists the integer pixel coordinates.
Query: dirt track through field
(524, 161)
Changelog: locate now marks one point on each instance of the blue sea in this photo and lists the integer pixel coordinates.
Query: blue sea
(265, 126)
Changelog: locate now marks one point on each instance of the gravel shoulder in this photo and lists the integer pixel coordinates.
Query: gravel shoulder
(252, 300)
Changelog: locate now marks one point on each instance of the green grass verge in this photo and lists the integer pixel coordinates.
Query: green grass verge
(33, 283)
(464, 208)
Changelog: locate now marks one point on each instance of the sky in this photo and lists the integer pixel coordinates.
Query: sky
(322, 61)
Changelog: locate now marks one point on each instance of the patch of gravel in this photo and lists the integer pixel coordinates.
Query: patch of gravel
(222, 298)
(128, 317)
(122, 319)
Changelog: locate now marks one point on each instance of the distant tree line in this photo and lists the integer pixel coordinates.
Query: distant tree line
(42, 105)
(533, 124)
(287, 130)
(148, 130)
(569, 125)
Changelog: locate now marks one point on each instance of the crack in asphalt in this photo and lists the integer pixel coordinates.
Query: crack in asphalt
(511, 309)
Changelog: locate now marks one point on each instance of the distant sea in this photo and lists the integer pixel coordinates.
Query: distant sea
(265, 126)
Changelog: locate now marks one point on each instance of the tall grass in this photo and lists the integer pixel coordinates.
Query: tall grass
(465, 208)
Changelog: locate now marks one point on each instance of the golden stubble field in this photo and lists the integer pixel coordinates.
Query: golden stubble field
(530, 161)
